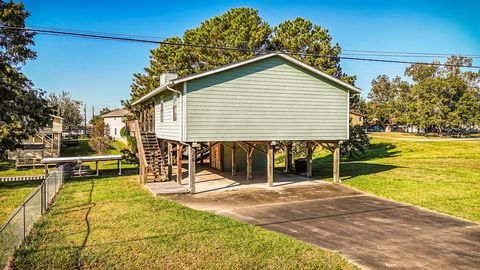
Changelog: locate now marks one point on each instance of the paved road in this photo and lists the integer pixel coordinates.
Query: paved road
(372, 232)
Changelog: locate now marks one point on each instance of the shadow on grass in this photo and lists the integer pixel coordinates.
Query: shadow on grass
(350, 170)
(375, 151)
(87, 222)
(19, 184)
(82, 149)
(6, 165)
(354, 167)
(378, 150)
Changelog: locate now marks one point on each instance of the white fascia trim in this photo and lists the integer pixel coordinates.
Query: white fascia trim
(155, 92)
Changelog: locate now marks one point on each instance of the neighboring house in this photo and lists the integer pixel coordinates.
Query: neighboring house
(45, 143)
(244, 111)
(356, 119)
(114, 122)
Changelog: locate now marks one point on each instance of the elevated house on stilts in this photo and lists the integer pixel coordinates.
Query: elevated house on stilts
(239, 115)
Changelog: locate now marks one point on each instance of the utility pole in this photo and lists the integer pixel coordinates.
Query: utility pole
(85, 115)
(93, 112)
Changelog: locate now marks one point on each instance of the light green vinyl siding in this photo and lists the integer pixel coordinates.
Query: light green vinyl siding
(168, 129)
(270, 99)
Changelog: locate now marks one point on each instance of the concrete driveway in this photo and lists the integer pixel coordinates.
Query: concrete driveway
(372, 232)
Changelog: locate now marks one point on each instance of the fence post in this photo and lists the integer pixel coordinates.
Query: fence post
(42, 198)
(24, 224)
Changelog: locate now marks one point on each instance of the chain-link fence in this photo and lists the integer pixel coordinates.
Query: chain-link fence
(19, 224)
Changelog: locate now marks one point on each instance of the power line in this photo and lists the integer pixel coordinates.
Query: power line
(412, 53)
(128, 38)
(97, 32)
(354, 52)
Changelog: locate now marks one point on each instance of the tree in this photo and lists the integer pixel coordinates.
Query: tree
(238, 27)
(384, 98)
(99, 141)
(69, 109)
(310, 44)
(445, 96)
(358, 104)
(23, 109)
(438, 98)
(244, 29)
(98, 117)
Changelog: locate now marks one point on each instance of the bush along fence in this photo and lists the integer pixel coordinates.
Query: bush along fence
(19, 224)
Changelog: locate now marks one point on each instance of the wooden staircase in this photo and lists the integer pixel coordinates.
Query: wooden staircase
(154, 158)
(152, 164)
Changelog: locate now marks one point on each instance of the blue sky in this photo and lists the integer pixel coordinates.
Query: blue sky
(100, 72)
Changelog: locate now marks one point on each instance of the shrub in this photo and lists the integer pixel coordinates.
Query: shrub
(357, 144)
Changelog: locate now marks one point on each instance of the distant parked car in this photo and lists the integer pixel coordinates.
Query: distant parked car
(375, 129)
(398, 129)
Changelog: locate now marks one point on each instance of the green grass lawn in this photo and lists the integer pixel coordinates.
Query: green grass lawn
(12, 195)
(440, 175)
(114, 223)
(7, 168)
(83, 149)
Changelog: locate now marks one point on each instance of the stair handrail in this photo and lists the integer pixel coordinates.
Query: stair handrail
(141, 151)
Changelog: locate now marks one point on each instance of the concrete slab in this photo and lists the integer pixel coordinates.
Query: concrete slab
(209, 180)
(166, 188)
(372, 232)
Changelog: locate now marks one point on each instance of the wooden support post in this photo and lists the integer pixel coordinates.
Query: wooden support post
(220, 156)
(249, 162)
(162, 149)
(309, 158)
(288, 157)
(169, 161)
(210, 155)
(234, 158)
(96, 167)
(191, 169)
(119, 165)
(46, 171)
(270, 164)
(179, 163)
(336, 163)
(201, 154)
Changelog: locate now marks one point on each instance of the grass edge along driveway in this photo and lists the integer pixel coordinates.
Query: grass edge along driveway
(108, 223)
(442, 176)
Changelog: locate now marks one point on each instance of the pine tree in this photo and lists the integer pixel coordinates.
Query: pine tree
(23, 109)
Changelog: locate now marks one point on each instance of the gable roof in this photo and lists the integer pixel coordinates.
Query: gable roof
(245, 62)
(117, 113)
